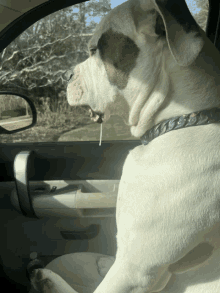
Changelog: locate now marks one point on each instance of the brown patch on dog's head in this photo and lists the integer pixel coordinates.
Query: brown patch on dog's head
(119, 54)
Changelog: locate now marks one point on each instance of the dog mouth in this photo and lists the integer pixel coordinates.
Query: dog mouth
(96, 116)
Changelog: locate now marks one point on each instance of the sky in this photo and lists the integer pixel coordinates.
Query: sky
(191, 4)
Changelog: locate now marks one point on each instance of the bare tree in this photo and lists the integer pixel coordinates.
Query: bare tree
(202, 16)
(36, 62)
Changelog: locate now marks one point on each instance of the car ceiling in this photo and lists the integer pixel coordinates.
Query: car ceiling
(18, 15)
(12, 9)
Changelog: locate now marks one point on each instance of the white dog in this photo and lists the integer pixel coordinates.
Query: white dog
(151, 63)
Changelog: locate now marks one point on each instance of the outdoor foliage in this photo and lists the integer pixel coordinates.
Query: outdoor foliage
(36, 62)
(202, 16)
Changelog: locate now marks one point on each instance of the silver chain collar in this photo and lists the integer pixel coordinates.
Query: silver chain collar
(193, 119)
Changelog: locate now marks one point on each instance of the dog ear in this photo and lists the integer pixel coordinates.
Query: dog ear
(183, 35)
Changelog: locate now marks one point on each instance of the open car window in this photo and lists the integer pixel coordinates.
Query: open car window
(39, 61)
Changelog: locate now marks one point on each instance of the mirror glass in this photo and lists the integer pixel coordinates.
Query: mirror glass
(15, 112)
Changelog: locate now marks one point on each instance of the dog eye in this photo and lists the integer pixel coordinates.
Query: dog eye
(70, 77)
(92, 51)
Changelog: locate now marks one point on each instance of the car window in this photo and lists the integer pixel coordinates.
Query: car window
(38, 61)
(199, 9)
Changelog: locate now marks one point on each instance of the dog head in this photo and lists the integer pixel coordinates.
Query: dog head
(130, 52)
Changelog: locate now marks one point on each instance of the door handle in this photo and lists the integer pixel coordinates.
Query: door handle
(21, 171)
(81, 234)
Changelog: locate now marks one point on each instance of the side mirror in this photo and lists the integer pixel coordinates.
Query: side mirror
(17, 113)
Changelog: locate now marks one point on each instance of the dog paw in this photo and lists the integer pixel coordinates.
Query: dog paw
(47, 281)
(41, 280)
(104, 264)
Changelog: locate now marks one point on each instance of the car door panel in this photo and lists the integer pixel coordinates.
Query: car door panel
(72, 198)
(22, 236)
(68, 166)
